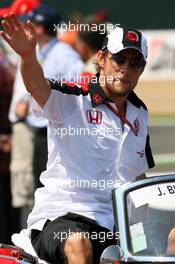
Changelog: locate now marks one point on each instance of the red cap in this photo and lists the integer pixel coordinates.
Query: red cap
(20, 7)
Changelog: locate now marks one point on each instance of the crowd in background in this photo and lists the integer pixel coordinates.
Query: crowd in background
(23, 137)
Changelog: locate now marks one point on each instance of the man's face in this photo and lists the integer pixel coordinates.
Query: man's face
(120, 71)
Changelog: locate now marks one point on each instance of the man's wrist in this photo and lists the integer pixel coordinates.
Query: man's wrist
(28, 57)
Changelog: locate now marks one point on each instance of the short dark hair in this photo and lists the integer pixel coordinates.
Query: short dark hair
(94, 39)
(49, 28)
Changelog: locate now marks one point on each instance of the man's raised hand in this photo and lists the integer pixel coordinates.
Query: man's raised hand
(21, 39)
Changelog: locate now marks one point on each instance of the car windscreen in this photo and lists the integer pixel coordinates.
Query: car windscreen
(151, 220)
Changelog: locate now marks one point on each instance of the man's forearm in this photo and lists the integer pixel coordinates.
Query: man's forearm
(34, 80)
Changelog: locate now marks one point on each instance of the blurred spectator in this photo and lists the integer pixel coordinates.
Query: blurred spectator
(19, 7)
(22, 181)
(6, 83)
(58, 60)
(88, 43)
(69, 35)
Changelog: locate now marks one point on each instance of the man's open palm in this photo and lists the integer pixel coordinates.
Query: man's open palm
(21, 39)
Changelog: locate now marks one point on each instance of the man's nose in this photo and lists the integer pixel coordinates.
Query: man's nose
(125, 67)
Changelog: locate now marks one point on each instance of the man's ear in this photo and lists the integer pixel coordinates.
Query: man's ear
(101, 58)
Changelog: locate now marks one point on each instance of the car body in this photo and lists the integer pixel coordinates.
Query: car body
(144, 213)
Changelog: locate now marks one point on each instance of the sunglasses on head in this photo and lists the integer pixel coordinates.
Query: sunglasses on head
(134, 62)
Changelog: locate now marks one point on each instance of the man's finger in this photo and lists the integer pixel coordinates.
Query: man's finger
(7, 29)
(15, 21)
(8, 20)
(31, 28)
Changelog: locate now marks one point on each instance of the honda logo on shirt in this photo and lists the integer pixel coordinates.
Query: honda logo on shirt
(94, 117)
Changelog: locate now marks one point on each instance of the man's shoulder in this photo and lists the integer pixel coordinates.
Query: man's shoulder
(74, 88)
(77, 88)
(136, 101)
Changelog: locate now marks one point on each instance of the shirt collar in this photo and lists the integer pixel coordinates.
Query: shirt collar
(97, 94)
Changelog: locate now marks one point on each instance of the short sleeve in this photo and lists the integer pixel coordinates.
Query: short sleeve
(54, 108)
(61, 103)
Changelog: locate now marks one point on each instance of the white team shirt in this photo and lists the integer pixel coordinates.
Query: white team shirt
(91, 155)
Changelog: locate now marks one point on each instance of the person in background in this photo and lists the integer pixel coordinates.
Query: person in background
(21, 147)
(69, 32)
(6, 85)
(87, 45)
